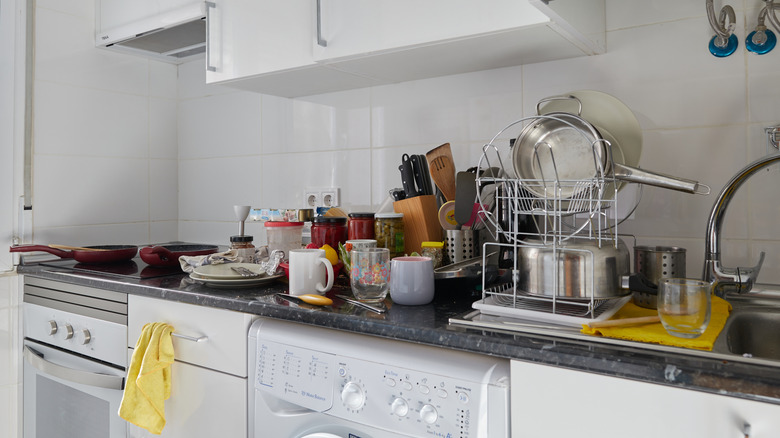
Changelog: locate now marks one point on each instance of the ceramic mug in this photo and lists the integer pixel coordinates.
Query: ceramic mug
(310, 272)
(411, 280)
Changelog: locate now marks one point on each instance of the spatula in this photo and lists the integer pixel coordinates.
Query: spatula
(442, 168)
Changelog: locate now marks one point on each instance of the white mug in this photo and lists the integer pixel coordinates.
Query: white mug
(306, 274)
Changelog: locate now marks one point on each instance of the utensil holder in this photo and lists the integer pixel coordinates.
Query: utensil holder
(657, 262)
(421, 221)
(461, 245)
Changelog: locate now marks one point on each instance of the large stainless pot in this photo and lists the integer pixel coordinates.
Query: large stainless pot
(584, 270)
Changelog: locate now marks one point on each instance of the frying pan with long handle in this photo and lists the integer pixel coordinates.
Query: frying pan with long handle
(89, 254)
(168, 255)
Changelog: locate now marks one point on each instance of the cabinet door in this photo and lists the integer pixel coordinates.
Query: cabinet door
(356, 27)
(203, 404)
(550, 401)
(252, 37)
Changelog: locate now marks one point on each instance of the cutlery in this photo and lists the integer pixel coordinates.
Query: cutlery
(244, 272)
(316, 300)
(379, 308)
(442, 169)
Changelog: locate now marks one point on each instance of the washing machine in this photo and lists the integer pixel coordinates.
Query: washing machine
(313, 382)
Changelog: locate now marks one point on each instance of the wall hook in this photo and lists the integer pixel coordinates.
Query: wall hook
(762, 40)
(724, 43)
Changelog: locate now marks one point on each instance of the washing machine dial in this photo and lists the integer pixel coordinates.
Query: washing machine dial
(428, 414)
(400, 407)
(353, 396)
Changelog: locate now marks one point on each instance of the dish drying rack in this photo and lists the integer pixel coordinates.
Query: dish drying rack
(561, 210)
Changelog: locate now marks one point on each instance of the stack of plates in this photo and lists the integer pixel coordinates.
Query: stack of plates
(222, 275)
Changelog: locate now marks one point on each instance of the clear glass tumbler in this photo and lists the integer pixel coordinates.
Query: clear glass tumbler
(684, 306)
(370, 274)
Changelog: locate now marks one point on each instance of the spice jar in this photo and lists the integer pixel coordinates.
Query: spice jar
(245, 250)
(389, 232)
(329, 230)
(434, 250)
(361, 226)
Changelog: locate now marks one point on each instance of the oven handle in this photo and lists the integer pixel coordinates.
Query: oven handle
(72, 375)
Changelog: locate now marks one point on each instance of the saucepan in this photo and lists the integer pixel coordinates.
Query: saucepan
(168, 255)
(85, 254)
(562, 146)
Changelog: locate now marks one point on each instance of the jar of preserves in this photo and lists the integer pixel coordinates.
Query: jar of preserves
(361, 226)
(434, 250)
(389, 232)
(244, 248)
(329, 230)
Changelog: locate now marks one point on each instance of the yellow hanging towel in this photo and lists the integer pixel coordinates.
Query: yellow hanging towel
(149, 378)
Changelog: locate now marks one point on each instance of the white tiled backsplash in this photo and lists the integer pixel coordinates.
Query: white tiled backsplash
(131, 150)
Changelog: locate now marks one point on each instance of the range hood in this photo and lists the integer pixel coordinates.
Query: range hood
(174, 36)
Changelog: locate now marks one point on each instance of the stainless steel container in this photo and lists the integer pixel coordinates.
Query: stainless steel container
(655, 263)
(584, 270)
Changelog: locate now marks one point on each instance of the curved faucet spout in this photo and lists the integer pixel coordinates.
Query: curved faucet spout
(730, 279)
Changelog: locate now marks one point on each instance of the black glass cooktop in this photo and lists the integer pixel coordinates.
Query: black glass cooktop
(135, 268)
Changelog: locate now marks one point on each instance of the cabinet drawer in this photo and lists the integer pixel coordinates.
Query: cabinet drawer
(225, 346)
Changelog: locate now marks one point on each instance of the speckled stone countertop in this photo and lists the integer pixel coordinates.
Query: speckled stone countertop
(429, 324)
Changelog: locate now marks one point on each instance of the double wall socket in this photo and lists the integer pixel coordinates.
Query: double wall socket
(314, 197)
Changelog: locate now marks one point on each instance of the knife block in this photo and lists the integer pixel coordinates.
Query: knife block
(421, 221)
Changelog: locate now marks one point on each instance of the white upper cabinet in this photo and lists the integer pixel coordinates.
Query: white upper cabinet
(302, 47)
(115, 13)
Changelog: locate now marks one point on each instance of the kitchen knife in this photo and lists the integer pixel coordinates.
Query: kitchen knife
(407, 176)
(420, 167)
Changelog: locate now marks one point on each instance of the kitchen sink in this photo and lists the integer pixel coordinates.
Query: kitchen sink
(753, 328)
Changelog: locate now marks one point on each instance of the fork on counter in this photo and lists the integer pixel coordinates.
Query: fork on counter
(244, 271)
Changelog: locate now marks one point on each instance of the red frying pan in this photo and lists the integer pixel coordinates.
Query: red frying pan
(87, 254)
(168, 255)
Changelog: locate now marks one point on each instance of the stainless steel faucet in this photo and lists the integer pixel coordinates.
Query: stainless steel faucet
(724, 279)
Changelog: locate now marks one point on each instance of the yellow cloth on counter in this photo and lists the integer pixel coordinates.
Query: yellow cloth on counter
(655, 332)
(148, 382)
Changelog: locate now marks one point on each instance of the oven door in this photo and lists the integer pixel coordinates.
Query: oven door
(69, 396)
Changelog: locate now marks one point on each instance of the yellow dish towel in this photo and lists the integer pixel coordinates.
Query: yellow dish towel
(655, 332)
(149, 378)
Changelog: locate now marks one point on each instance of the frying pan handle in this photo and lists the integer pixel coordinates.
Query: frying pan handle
(633, 174)
(164, 253)
(45, 248)
(551, 98)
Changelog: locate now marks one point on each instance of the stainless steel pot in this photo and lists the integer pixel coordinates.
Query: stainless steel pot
(584, 270)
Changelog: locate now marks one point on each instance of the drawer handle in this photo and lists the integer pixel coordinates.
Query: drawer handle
(320, 41)
(190, 338)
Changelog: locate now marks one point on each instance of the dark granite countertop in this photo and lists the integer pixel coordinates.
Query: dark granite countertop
(429, 324)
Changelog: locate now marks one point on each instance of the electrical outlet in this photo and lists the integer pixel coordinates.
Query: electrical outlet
(314, 197)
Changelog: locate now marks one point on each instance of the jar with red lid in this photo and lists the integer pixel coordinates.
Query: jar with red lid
(330, 230)
(361, 226)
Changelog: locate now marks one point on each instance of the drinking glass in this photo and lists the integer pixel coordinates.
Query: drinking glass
(370, 274)
(684, 306)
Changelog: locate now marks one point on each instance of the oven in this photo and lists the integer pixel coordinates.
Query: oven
(313, 382)
(75, 360)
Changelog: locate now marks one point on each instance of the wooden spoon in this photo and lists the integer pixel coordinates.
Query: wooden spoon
(442, 168)
(77, 248)
(625, 321)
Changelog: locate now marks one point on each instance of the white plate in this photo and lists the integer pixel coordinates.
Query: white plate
(240, 282)
(224, 271)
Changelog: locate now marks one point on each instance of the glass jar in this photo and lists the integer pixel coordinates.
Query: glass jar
(245, 250)
(361, 226)
(329, 230)
(284, 236)
(434, 250)
(389, 232)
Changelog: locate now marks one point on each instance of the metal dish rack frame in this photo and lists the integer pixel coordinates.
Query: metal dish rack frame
(582, 214)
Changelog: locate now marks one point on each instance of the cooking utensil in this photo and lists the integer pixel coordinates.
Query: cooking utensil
(81, 248)
(109, 253)
(625, 321)
(244, 272)
(315, 300)
(574, 261)
(442, 168)
(168, 255)
(407, 177)
(242, 212)
(465, 195)
(375, 307)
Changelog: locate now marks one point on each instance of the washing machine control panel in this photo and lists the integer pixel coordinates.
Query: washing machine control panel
(380, 391)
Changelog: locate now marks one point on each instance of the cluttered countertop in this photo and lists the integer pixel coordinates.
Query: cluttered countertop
(430, 324)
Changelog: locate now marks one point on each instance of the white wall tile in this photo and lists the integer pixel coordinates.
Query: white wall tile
(164, 231)
(223, 125)
(163, 190)
(133, 233)
(163, 128)
(163, 80)
(208, 189)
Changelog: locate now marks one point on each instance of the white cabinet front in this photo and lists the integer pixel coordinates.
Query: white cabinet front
(550, 401)
(203, 404)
